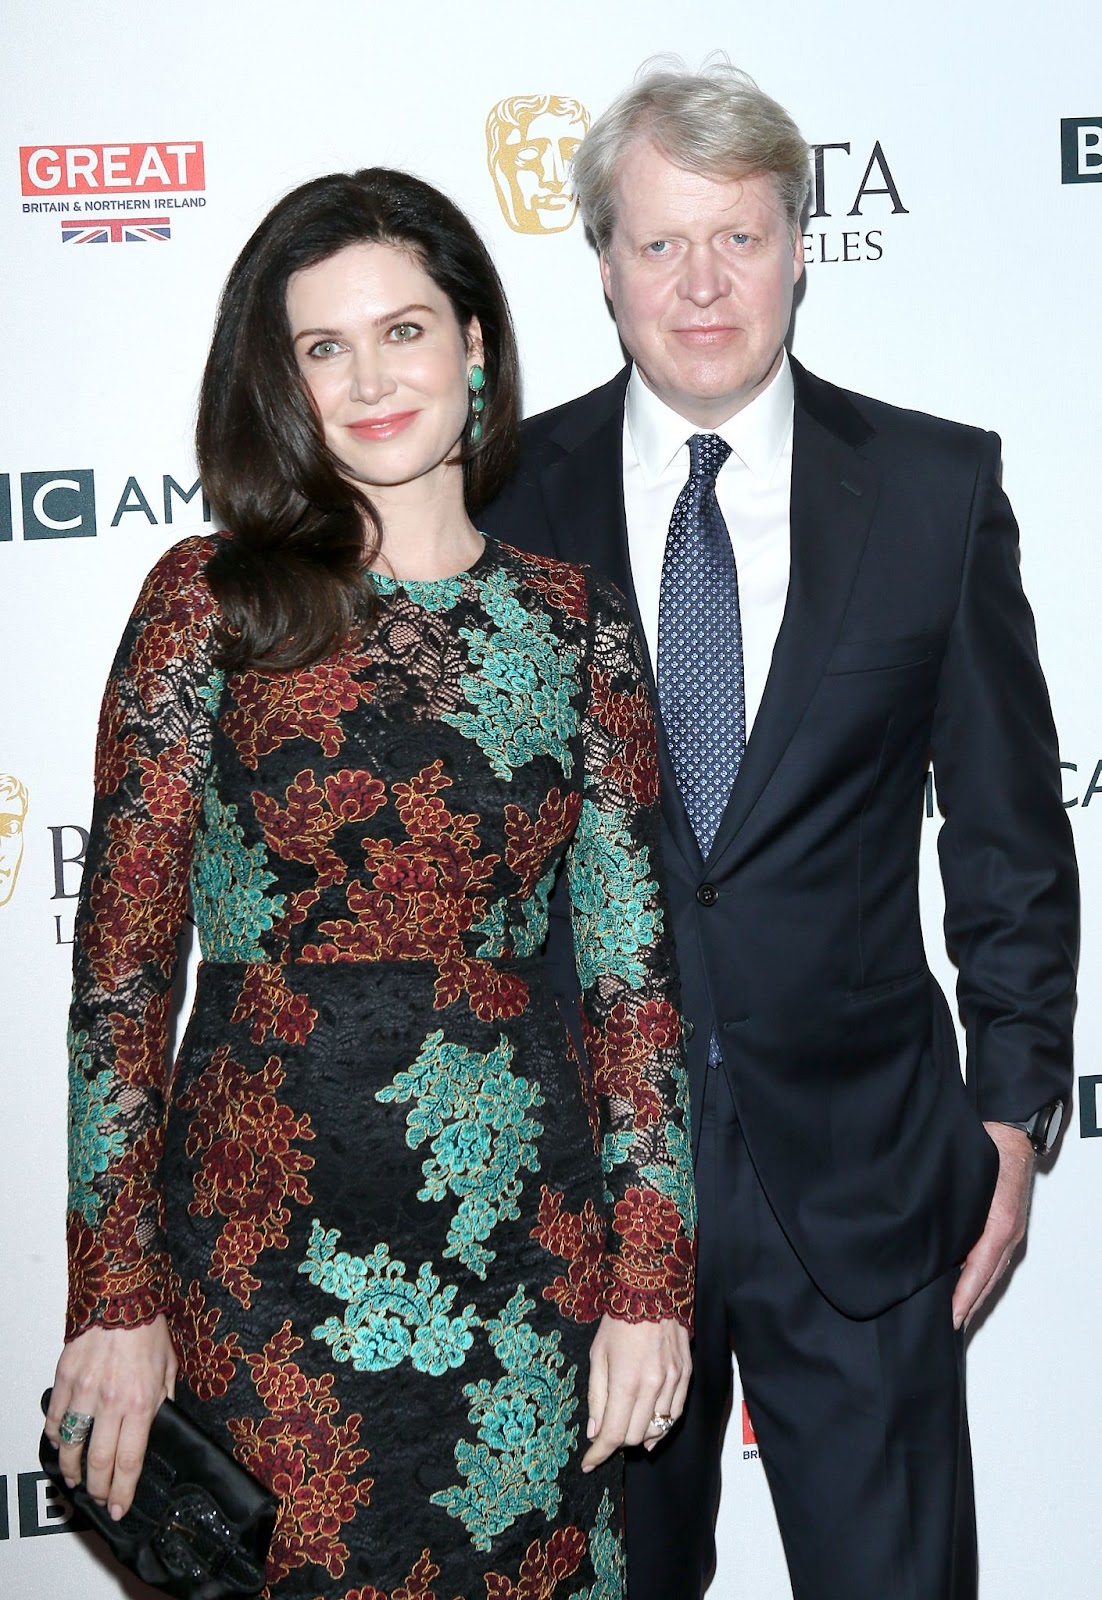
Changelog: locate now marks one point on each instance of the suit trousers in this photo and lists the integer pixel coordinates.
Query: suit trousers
(861, 1425)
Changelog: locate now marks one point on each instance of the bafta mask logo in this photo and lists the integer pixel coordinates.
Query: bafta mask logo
(530, 143)
(13, 814)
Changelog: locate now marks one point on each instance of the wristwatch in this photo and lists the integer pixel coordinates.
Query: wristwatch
(1042, 1127)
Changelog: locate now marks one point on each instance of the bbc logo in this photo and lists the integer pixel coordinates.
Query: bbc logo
(56, 505)
(1081, 149)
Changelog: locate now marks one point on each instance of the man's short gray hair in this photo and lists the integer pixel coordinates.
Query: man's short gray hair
(715, 121)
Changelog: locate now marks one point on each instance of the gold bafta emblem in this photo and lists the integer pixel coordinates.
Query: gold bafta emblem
(530, 143)
(13, 814)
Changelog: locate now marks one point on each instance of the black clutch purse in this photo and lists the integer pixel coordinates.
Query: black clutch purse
(200, 1525)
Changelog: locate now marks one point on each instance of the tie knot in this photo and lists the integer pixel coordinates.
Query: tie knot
(707, 453)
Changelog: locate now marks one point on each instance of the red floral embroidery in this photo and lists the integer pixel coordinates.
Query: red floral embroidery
(414, 1587)
(165, 785)
(275, 1012)
(354, 796)
(562, 586)
(492, 992)
(305, 1456)
(114, 749)
(208, 1363)
(139, 1043)
(249, 1169)
(578, 1239)
(424, 896)
(135, 908)
(303, 829)
(655, 1264)
(528, 845)
(272, 708)
(119, 1288)
(543, 1568)
(622, 1053)
(632, 765)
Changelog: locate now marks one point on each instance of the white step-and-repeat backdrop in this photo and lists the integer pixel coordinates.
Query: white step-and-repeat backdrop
(953, 247)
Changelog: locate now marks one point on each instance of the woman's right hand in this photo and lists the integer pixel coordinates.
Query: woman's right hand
(117, 1376)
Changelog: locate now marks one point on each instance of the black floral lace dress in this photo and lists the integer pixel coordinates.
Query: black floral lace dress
(378, 1200)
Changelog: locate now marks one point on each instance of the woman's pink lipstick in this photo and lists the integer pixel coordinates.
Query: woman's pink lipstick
(382, 427)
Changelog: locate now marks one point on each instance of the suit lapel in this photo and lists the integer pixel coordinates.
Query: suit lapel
(834, 494)
(584, 496)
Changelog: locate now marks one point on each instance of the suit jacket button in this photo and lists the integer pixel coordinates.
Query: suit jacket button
(687, 1028)
(707, 894)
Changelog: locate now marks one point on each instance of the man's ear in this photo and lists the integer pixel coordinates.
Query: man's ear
(606, 274)
(797, 257)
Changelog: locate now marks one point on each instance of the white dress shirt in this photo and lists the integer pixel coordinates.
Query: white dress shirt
(753, 488)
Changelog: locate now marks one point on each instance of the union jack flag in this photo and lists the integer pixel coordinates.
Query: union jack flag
(116, 230)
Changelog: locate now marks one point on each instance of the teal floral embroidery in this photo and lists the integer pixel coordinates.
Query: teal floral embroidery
(94, 1143)
(227, 887)
(210, 693)
(493, 925)
(474, 1111)
(525, 935)
(522, 684)
(617, 1147)
(389, 1319)
(606, 1553)
(431, 594)
(674, 1176)
(611, 893)
(523, 1438)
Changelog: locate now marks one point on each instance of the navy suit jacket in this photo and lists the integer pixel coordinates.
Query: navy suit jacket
(906, 636)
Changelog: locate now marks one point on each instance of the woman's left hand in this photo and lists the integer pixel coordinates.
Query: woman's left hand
(637, 1371)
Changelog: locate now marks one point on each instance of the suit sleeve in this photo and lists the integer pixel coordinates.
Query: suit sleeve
(1007, 860)
(629, 996)
(151, 761)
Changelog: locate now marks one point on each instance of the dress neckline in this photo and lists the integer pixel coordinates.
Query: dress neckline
(414, 586)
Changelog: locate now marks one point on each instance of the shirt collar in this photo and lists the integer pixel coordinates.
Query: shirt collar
(757, 434)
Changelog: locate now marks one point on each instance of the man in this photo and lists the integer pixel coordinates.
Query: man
(872, 617)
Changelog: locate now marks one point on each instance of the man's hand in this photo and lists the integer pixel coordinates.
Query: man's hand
(1006, 1223)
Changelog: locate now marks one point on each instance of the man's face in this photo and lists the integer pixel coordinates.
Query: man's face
(534, 167)
(12, 815)
(700, 272)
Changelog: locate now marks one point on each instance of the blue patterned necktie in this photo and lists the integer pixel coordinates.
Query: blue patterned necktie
(701, 690)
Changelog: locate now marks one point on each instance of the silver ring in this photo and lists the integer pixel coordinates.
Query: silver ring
(75, 1427)
(662, 1421)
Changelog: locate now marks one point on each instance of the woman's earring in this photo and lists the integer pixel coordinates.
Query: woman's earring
(476, 382)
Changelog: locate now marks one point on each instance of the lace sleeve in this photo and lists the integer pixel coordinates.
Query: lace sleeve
(623, 944)
(151, 758)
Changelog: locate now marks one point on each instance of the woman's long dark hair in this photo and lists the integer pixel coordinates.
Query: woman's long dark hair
(290, 582)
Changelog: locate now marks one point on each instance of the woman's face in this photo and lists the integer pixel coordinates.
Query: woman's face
(386, 364)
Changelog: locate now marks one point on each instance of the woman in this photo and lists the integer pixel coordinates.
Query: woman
(368, 1216)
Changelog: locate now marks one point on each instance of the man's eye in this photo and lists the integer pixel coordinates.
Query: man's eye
(740, 238)
(658, 247)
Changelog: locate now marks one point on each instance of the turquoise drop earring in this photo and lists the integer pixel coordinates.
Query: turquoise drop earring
(476, 382)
